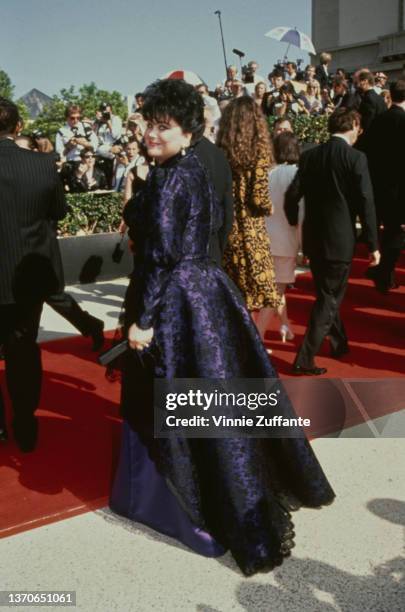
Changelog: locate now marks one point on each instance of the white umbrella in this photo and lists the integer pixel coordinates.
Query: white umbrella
(292, 36)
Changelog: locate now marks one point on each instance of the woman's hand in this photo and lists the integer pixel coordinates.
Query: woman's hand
(123, 227)
(139, 338)
(81, 170)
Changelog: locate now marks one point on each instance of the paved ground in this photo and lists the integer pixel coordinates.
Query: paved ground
(348, 557)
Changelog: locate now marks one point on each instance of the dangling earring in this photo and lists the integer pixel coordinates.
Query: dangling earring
(183, 150)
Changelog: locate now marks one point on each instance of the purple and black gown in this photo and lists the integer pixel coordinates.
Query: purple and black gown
(211, 494)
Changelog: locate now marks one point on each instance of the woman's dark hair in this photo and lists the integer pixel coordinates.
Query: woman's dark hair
(176, 99)
(287, 88)
(286, 148)
(85, 151)
(243, 134)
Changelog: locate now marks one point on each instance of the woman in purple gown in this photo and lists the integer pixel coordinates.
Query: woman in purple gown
(186, 319)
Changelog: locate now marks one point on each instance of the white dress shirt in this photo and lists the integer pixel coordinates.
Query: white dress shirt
(66, 133)
(108, 137)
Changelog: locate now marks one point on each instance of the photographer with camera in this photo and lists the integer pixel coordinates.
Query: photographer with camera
(251, 78)
(248, 78)
(87, 177)
(272, 97)
(289, 102)
(108, 128)
(257, 78)
(74, 136)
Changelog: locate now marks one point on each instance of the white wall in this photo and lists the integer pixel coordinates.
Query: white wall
(361, 20)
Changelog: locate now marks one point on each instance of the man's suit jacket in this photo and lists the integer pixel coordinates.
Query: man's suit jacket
(370, 107)
(335, 182)
(349, 100)
(385, 150)
(323, 79)
(31, 197)
(219, 170)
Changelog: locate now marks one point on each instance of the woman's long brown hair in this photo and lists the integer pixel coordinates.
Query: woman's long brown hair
(243, 134)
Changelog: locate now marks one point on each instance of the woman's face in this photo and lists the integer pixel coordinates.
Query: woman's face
(164, 139)
(260, 89)
(89, 159)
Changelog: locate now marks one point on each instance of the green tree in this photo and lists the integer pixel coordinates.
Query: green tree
(307, 128)
(6, 86)
(88, 97)
(7, 91)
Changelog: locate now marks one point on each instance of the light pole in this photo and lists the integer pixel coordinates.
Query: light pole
(223, 43)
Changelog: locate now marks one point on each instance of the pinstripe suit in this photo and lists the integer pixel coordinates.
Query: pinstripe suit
(31, 196)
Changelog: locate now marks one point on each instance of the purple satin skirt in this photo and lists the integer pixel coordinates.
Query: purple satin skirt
(141, 494)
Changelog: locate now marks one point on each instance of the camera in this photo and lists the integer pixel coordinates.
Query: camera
(37, 134)
(248, 75)
(123, 140)
(105, 114)
(88, 130)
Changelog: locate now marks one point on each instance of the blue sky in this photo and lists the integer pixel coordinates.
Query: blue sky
(126, 44)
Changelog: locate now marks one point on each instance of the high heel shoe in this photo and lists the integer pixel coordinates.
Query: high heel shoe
(286, 333)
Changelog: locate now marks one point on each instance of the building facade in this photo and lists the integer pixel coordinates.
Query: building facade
(361, 33)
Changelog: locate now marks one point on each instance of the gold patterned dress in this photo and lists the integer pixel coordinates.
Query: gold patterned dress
(247, 258)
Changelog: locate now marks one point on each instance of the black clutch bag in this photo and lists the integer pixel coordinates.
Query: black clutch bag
(118, 252)
(113, 353)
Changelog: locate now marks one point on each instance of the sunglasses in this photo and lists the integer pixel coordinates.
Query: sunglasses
(75, 117)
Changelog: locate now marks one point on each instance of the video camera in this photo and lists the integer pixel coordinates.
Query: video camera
(248, 75)
(282, 65)
(37, 134)
(105, 114)
(123, 140)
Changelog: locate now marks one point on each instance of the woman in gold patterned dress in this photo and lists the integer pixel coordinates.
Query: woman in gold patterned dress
(244, 137)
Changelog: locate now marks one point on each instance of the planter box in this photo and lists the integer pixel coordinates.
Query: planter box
(87, 259)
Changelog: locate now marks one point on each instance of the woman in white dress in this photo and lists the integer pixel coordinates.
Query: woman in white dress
(285, 240)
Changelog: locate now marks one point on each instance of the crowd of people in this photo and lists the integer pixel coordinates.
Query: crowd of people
(101, 152)
(215, 231)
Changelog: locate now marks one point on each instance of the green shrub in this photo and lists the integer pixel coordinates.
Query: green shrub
(308, 128)
(91, 213)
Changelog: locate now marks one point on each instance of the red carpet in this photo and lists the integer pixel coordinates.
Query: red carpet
(374, 324)
(71, 471)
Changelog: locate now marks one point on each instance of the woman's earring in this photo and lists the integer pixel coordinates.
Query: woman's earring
(183, 150)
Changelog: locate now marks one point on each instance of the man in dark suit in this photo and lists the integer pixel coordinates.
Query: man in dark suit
(372, 105)
(334, 180)
(322, 73)
(385, 153)
(31, 196)
(219, 170)
(343, 98)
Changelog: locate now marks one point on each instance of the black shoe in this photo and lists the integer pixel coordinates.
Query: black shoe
(96, 327)
(296, 369)
(26, 434)
(380, 285)
(339, 352)
(3, 433)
